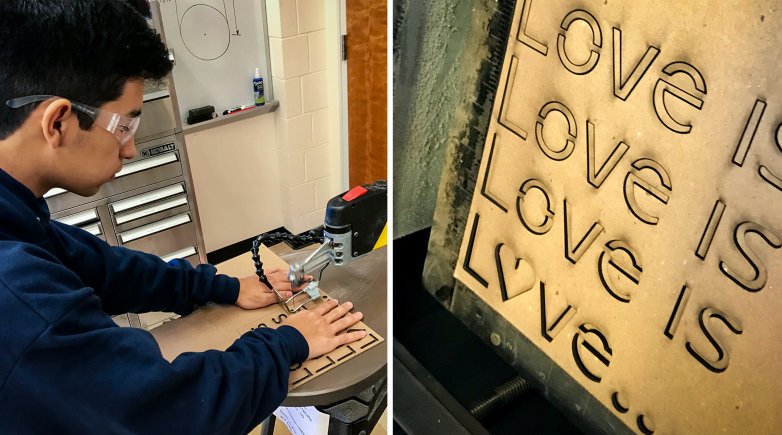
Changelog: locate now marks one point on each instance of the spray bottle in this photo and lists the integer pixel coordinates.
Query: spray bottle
(260, 100)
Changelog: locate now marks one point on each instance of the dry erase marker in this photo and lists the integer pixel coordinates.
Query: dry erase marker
(237, 109)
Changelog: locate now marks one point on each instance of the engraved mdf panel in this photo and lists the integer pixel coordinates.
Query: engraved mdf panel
(218, 326)
(627, 214)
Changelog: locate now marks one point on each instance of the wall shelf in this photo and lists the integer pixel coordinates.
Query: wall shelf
(269, 107)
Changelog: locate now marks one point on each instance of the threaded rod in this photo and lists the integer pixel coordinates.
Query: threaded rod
(503, 395)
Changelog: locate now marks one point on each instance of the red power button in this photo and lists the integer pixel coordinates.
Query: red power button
(354, 193)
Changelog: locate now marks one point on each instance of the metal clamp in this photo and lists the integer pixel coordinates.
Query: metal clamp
(317, 261)
(311, 290)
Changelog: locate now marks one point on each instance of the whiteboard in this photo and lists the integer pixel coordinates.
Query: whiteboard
(217, 45)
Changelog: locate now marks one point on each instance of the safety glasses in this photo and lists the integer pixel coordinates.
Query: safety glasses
(122, 127)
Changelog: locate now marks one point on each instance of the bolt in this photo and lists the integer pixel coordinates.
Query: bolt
(495, 339)
(355, 234)
(502, 396)
(355, 254)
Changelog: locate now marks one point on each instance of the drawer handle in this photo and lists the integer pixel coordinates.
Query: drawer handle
(148, 230)
(131, 216)
(54, 192)
(79, 219)
(143, 165)
(127, 204)
(95, 230)
(130, 168)
(190, 250)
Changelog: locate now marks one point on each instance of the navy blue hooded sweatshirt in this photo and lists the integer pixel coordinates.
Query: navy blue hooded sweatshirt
(65, 367)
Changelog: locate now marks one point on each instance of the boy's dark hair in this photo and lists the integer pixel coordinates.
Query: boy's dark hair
(142, 6)
(84, 50)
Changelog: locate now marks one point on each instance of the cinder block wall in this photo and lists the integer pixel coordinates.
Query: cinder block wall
(305, 121)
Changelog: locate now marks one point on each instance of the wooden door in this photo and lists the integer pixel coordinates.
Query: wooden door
(367, 90)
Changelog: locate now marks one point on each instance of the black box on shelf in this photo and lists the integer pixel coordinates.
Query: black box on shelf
(201, 114)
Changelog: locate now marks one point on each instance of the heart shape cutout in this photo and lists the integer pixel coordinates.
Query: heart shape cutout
(513, 281)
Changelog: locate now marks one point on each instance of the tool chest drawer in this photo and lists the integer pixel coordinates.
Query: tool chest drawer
(189, 253)
(170, 234)
(88, 220)
(149, 207)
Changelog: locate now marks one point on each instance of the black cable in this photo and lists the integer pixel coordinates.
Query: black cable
(311, 237)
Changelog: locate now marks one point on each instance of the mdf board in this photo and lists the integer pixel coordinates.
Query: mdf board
(626, 219)
(367, 90)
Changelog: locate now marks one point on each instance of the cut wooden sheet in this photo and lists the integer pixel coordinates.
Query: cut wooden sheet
(626, 218)
(218, 326)
(310, 369)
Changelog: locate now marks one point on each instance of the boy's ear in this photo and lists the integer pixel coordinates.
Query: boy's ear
(57, 118)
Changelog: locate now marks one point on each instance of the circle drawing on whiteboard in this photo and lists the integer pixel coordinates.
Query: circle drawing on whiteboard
(205, 32)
